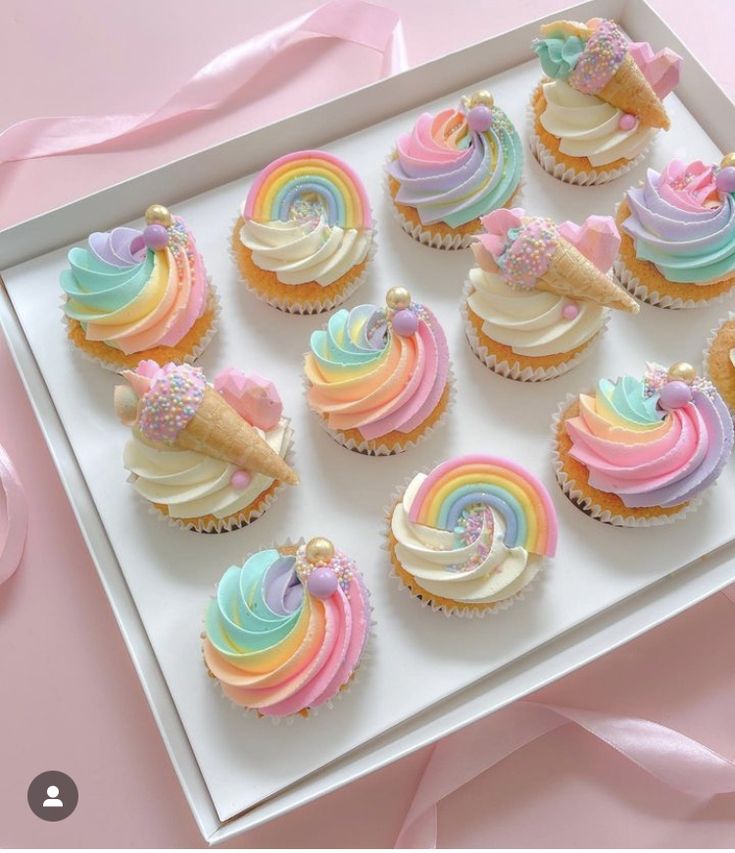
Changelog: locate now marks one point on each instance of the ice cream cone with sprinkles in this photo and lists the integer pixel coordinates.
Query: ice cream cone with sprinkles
(305, 235)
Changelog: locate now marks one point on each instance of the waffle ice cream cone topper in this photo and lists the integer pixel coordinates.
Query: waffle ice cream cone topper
(209, 458)
(540, 294)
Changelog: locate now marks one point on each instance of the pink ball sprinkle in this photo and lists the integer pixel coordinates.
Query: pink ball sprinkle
(726, 179)
(405, 323)
(322, 582)
(627, 121)
(675, 394)
(155, 237)
(480, 118)
(570, 311)
(240, 480)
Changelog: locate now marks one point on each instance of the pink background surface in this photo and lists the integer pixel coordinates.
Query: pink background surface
(70, 698)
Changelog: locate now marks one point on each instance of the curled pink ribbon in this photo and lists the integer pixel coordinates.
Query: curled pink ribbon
(16, 513)
(670, 756)
(374, 27)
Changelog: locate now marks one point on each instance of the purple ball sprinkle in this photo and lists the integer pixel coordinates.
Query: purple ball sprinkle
(322, 582)
(155, 236)
(675, 394)
(405, 323)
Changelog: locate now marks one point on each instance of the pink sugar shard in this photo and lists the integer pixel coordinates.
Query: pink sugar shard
(255, 399)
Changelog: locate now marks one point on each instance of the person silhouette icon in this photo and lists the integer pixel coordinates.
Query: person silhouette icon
(52, 801)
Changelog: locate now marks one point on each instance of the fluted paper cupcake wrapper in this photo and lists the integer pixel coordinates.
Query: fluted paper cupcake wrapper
(213, 301)
(514, 370)
(364, 662)
(593, 177)
(397, 447)
(652, 297)
(459, 609)
(312, 307)
(578, 497)
(710, 343)
(231, 522)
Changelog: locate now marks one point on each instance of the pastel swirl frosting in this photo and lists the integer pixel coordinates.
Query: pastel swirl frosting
(452, 174)
(364, 375)
(132, 297)
(648, 443)
(682, 224)
(587, 126)
(307, 219)
(275, 646)
(470, 529)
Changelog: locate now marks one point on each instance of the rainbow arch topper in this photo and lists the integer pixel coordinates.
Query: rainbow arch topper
(307, 180)
(512, 491)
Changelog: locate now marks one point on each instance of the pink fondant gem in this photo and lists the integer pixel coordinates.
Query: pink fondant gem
(405, 323)
(675, 394)
(726, 179)
(480, 118)
(570, 311)
(240, 480)
(255, 399)
(627, 121)
(322, 582)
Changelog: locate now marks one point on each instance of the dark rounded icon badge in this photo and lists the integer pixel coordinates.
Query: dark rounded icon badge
(52, 795)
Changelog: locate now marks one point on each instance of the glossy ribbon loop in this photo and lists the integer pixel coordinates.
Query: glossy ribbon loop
(356, 21)
(13, 537)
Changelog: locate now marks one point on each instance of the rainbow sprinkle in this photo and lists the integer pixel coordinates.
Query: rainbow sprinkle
(172, 401)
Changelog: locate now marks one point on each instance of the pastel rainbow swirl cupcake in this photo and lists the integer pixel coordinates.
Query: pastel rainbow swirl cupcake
(133, 295)
(286, 631)
(642, 451)
(305, 233)
(453, 168)
(470, 535)
(378, 378)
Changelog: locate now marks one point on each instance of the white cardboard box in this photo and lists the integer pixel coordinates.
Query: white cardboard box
(589, 600)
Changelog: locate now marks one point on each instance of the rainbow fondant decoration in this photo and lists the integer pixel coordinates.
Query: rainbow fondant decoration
(515, 494)
(309, 184)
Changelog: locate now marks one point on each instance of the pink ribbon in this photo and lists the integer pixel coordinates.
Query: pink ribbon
(374, 27)
(16, 518)
(668, 755)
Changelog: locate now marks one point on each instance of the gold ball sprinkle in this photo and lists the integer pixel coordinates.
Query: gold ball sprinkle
(319, 550)
(728, 160)
(476, 99)
(157, 214)
(683, 371)
(398, 298)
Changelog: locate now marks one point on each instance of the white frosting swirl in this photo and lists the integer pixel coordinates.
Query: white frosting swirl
(192, 485)
(482, 572)
(530, 322)
(302, 251)
(588, 126)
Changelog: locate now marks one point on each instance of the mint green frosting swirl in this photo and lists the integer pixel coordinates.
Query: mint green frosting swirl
(558, 55)
(631, 401)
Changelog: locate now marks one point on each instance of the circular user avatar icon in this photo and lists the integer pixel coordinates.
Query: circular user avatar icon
(52, 795)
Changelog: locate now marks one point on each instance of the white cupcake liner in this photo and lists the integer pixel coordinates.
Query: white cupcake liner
(708, 347)
(593, 177)
(365, 448)
(463, 611)
(577, 496)
(213, 302)
(653, 297)
(297, 718)
(231, 522)
(314, 307)
(515, 370)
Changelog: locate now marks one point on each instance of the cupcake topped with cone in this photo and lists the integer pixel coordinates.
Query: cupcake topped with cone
(378, 377)
(133, 294)
(678, 226)
(540, 294)
(601, 103)
(642, 450)
(452, 168)
(208, 458)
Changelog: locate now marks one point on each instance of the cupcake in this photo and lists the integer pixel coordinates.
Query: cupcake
(599, 106)
(378, 378)
(209, 459)
(678, 227)
(719, 360)
(540, 295)
(305, 235)
(133, 295)
(636, 452)
(451, 169)
(286, 631)
(471, 535)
